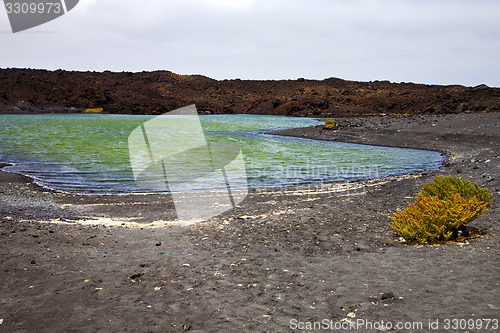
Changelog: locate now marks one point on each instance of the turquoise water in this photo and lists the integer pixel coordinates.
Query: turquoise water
(89, 153)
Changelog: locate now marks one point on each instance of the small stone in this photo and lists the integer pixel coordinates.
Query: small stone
(388, 295)
(158, 244)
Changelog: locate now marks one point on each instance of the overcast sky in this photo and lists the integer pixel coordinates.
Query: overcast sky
(424, 41)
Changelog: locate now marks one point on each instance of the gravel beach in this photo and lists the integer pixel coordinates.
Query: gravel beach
(279, 262)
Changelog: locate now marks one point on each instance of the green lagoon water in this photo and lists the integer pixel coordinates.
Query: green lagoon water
(89, 153)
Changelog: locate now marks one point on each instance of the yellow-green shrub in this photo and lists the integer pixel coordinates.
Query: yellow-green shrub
(443, 186)
(439, 210)
(330, 123)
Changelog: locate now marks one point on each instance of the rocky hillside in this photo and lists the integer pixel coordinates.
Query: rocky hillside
(35, 91)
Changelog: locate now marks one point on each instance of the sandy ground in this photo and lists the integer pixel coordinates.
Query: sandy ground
(279, 262)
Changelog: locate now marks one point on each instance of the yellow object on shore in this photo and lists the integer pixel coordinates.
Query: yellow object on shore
(330, 123)
(98, 110)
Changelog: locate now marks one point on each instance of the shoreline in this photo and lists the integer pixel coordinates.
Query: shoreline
(260, 190)
(276, 257)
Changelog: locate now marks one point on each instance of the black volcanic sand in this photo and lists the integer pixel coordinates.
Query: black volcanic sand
(303, 254)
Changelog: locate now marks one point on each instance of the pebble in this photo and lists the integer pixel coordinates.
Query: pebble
(388, 295)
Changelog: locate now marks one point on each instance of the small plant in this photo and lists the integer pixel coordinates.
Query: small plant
(440, 209)
(330, 123)
(443, 186)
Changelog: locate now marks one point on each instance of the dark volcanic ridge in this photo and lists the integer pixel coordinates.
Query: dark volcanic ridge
(42, 91)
